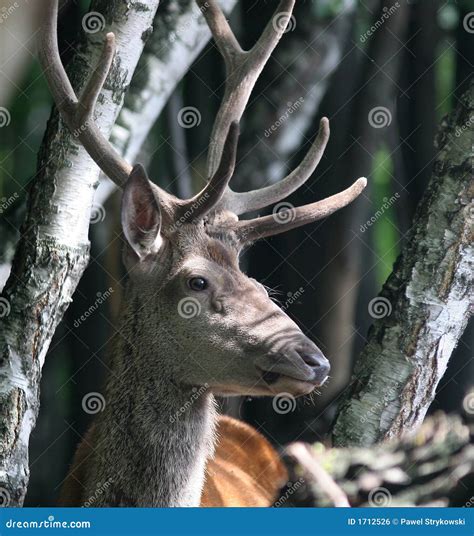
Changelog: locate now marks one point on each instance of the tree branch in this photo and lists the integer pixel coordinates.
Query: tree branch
(424, 305)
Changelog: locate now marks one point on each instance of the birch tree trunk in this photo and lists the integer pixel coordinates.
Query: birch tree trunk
(53, 250)
(425, 304)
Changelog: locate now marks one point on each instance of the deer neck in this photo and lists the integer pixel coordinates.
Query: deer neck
(163, 432)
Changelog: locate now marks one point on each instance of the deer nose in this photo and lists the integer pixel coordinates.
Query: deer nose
(318, 363)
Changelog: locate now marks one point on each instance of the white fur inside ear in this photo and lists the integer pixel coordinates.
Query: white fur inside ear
(143, 249)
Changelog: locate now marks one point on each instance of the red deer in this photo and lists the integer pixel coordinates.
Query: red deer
(192, 323)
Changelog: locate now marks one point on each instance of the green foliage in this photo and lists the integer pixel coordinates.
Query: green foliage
(385, 233)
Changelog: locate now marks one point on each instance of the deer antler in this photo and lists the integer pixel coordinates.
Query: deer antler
(242, 71)
(79, 114)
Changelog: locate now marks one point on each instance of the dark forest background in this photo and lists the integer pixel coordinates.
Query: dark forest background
(415, 67)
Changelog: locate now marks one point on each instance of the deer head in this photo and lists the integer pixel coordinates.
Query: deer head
(182, 256)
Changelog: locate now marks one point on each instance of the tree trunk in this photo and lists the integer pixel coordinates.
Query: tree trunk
(424, 305)
(54, 250)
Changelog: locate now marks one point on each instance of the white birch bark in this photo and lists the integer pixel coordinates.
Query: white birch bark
(425, 303)
(53, 249)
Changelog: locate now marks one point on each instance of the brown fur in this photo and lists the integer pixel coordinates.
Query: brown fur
(245, 470)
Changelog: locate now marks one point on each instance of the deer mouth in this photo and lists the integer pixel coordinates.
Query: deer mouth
(302, 373)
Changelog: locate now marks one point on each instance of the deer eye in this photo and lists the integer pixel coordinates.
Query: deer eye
(197, 283)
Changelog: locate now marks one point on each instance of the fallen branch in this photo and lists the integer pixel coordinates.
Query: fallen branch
(434, 467)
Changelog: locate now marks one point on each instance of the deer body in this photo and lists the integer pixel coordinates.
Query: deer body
(192, 321)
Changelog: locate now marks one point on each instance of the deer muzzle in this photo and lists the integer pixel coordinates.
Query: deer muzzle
(297, 370)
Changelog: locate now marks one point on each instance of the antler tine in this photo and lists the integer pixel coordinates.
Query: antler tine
(205, 201)
(79, 114)
(242, 67)
(240, 203)
(251, 230)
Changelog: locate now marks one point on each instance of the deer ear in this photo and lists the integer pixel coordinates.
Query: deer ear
(140, 214)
